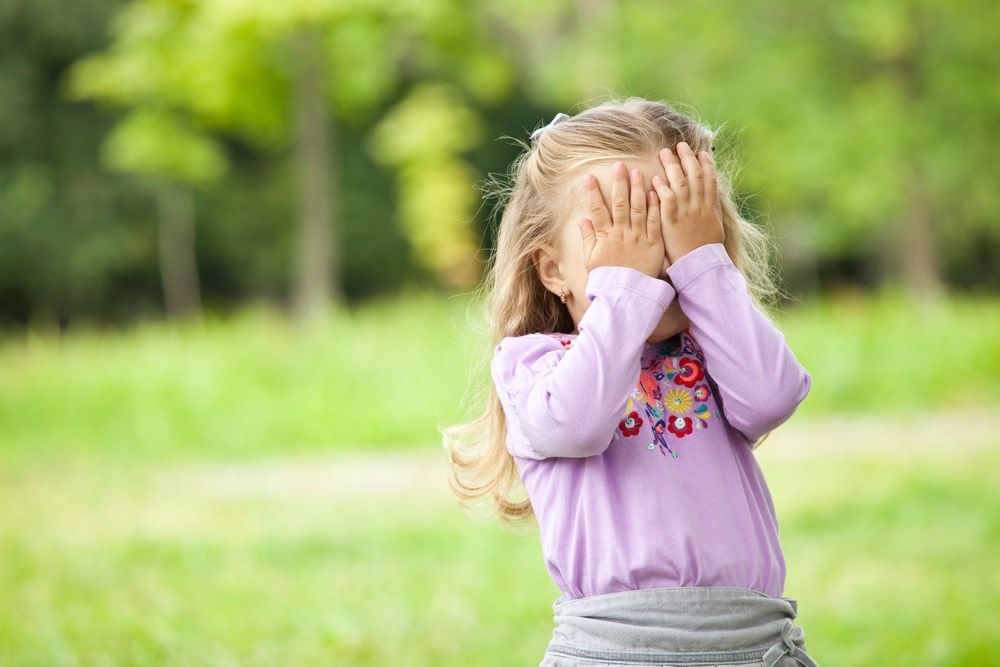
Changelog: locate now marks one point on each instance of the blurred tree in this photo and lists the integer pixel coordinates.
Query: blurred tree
(423, 137)
(152, 141)
(64, 233)
(869, 135)
(175, 159)
(867, 123)
(274, 74)
(194, 60)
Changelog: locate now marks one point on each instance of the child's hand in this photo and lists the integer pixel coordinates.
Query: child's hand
(631, 235)
(690, 211)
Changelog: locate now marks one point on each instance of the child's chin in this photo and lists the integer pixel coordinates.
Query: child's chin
(668, 326)
(663, 334)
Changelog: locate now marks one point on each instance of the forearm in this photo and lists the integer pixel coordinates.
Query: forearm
(758, 376)
(573, 407)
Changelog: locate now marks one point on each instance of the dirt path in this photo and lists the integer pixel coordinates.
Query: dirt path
(423, 471)
(88, 503)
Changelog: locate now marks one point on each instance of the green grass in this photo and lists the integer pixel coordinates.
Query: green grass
(390, 373)
(382, 375)
(882, 355)
(890, 556)
(120, 566)
(177, 495)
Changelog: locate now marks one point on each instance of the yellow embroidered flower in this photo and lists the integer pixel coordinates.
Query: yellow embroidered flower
(677, 401)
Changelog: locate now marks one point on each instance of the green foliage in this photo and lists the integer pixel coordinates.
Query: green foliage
(156, 145)
(423, 137)
(432, 123)
(831, 104)
(825, 113)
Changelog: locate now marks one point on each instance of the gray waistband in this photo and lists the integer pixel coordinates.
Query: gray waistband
(683, 625)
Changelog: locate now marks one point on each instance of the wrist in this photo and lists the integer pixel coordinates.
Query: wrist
(697, 261)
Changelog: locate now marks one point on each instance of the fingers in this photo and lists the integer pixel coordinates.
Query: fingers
(652, 214)
(676, 177)
(597, 210)
(637, 200)
(667, 198)
(692, 168)
(587, 236)
(619, 195)
(710, 179)
(692, 177)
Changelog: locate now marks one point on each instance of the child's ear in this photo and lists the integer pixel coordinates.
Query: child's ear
(547, 267)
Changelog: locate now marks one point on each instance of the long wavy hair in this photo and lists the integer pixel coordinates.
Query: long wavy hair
(515, 302)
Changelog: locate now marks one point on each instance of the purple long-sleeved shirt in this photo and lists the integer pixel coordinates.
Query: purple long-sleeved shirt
(636, 456)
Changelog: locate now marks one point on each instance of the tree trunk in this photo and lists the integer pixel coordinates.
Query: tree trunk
(178, 266)
(314, 262)
(913, 252)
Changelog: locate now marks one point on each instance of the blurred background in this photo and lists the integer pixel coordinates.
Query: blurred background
(239, 243)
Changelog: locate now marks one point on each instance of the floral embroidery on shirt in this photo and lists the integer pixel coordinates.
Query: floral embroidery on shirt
(690, 372)
(673, 391)
(680, 426)
(678, 400)
(631, 424)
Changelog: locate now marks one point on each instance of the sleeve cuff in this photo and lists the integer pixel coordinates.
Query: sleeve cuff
(697, 262)
(657, 290)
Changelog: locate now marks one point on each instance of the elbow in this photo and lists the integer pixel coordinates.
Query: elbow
(802, 388)
(785, 400)
(771, 413)
(590, 434)
(572, 449)
(580, 439)
(560, 429)
(594, 445)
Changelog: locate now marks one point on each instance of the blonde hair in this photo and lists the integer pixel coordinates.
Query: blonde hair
(517, 303)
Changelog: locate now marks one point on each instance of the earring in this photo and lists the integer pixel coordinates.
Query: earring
(562, 294)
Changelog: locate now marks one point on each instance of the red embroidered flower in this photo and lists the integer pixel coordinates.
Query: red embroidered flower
(631, 424)
(680, 426)
(701, 393)
(690, 372)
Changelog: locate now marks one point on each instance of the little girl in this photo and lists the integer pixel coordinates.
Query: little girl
(633, 374)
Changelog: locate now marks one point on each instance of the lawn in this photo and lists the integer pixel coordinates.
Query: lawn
(241, 494)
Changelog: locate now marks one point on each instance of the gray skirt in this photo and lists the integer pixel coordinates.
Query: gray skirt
(711, 626)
